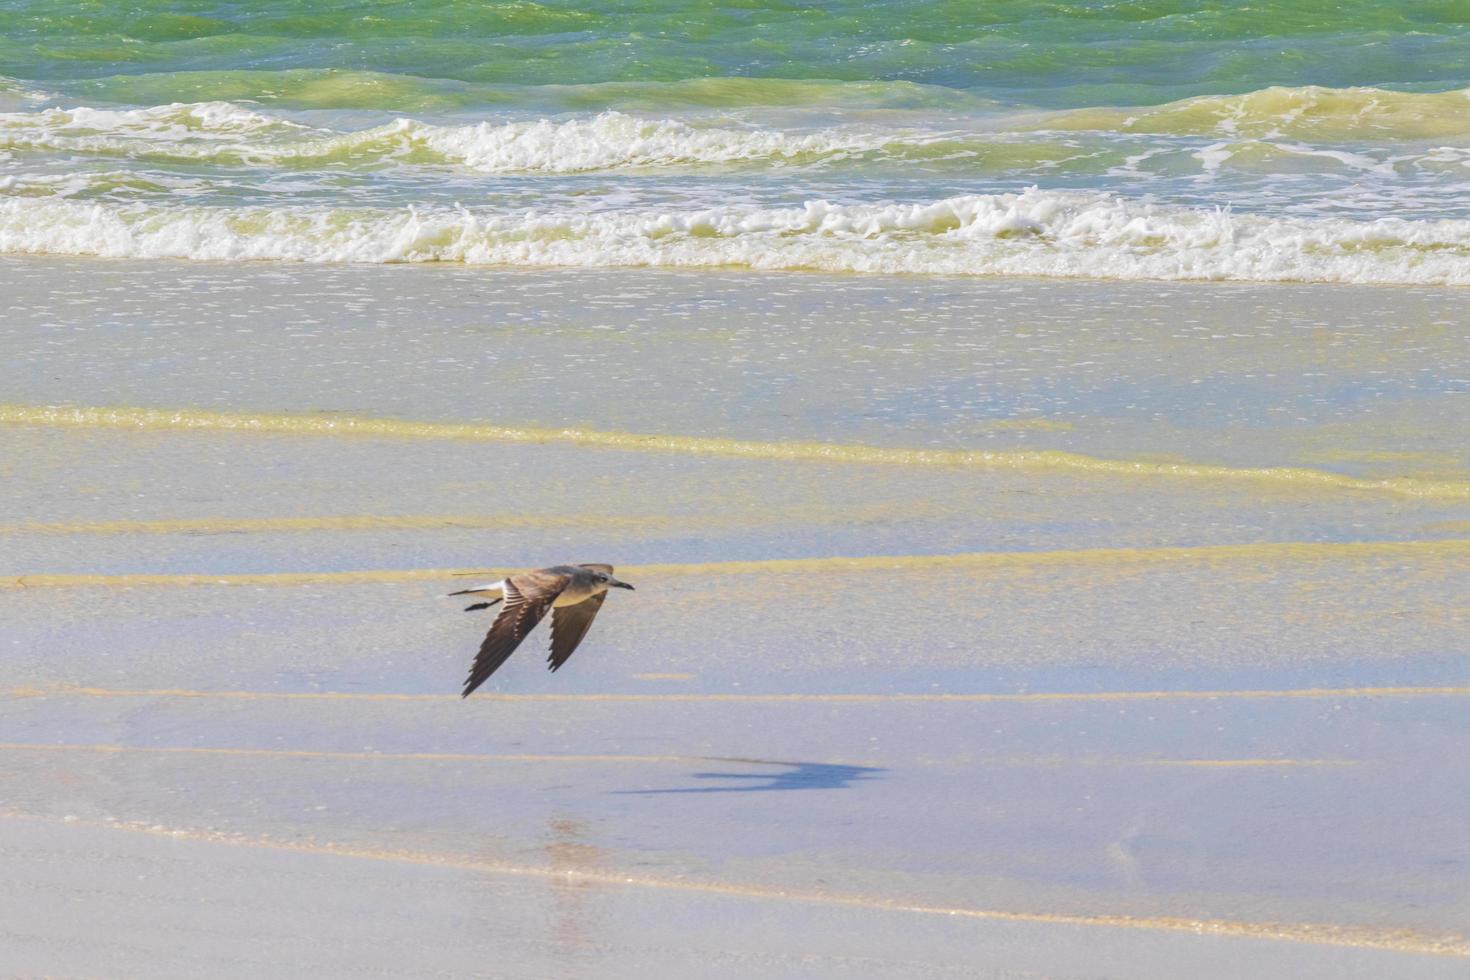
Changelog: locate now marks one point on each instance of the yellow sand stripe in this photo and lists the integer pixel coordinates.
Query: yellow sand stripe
(1040, 761)
(341, 425)
(498, 521)
(1247, 763)
(485, 697)
(1361, 937)
(337, 522)
(1457, 549)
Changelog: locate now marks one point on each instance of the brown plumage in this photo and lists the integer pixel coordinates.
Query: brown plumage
(572, 593)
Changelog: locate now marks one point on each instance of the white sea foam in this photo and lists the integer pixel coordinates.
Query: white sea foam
(229, 133)
(1035, 233)
(613, 139)
(176, 122)
(14, 93)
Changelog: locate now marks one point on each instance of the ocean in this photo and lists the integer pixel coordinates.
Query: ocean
(1310, 142)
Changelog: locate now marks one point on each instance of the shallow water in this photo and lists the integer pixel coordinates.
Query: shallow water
(1096, 626)
(1358, 381)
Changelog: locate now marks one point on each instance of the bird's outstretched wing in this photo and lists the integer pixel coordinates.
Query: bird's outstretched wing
(568, 625)
(527, 598)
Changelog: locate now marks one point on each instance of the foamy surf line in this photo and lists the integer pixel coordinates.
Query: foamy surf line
(1265, 552)
(796, 451)
(611, 138)
(222, 132)
(235, 134)
(1047, 233)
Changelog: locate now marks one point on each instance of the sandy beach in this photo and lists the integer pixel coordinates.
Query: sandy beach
(1147, 661)
(1035, 432)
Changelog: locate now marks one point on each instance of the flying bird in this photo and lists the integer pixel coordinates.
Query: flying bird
(572, 593)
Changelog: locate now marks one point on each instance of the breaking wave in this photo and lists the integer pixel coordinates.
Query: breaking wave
(1033, 233)
(1305, 112)
(228, 133)
(221, 132)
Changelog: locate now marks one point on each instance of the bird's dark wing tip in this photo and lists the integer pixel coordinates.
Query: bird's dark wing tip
(517, 618)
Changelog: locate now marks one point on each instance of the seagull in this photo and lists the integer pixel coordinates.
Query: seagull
(575, 592)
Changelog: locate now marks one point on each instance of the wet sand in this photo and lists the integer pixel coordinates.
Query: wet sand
(990, 628)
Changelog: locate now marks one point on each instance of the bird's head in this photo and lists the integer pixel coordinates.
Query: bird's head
(603, 576)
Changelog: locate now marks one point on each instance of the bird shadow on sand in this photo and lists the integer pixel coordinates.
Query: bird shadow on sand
(797, 775)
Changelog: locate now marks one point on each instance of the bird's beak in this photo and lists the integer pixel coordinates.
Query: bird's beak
(624, 585)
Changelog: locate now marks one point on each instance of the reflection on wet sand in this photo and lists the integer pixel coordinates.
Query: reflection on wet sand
(798, 775)
(571, 890)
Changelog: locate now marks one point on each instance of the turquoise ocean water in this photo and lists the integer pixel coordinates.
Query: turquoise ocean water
(1304, 141)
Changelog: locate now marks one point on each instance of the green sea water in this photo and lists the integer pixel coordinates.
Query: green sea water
(1028, 51)
(1310, 140)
